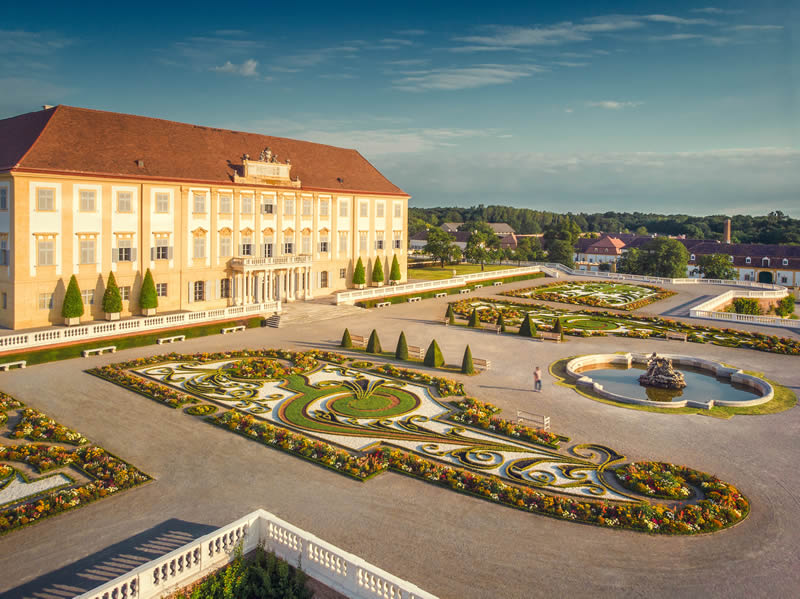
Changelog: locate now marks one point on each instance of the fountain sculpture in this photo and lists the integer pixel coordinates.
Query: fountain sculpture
(660, 373)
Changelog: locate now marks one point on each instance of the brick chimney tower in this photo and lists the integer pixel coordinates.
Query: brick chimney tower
(726, 232)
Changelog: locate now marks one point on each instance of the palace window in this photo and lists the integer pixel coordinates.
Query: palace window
(87, 295)
(224, 288)
(162, 249)
(225, 204)
(199, 247)
(266, 247)
(246, 248)
(342, 273)
(125, 293)
(323, 279)
(342, 208)
(784, 279)
(45, 301)
(267, 206)
(87, 247)
(88, 200)
(3, 198)
(379, 240)
(323, 243)
(247, 205)
(161, 289)
(4, 254)
(307, 207)
(199, 291)
(288, 247)
(380, 207)
(398, 209)
(363, 209)
(125, 250)
(46, 252)
(124, 201)
(397, 240)
(306, 244)
(323, 208)
(225, 246)
(162, 202)
(199, 205)
(343, 242)
(362, 241)
(46, 199)
(288, 207)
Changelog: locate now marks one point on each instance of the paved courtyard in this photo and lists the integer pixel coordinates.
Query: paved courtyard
(449, 544)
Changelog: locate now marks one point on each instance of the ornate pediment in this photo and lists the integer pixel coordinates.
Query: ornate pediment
(266, 170)
(267, 230)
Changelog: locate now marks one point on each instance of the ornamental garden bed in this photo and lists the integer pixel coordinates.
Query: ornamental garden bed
(381, 418)
(620, 296)
(75, 476)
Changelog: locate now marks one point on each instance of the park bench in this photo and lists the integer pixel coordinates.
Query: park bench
(477, 286)
(8, 365)
(163, 340)
(442, 294)
(416, 298)
(235, 329)
(497, 283)
(481, 363)
(546, 335)
(415, 352)
(462, 291)
(383, 304)
(542, 422)
(492, 327)
(99, 350)
(677, 336)
(358, 340)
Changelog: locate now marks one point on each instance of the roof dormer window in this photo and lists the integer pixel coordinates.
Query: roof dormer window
(691, 257)
(764, 261)
(785, 262)
(747, 260)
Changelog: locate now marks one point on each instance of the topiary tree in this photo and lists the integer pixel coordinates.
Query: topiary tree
(474, 321)
(374, 344)
(525, 329)
(377, 271)
(559, 328)
(73, 302)
(148, 298)
(466, 363)
(501, 323)
(359, 274)
(401, 351)
(394, 274)
(433, 357)
(347, 341)
(112, 299)
(450, 315)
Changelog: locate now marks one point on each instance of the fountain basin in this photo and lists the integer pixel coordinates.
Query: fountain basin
(580, 369)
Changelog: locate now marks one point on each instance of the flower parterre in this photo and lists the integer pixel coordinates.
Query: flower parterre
(480, 414)
(542, 293)
(37, 427)
(9, 403)
(444, 386)
(257, 368)
(5, 471)
(656, 479)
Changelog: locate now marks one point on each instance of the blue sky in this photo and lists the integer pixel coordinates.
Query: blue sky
(595, 106)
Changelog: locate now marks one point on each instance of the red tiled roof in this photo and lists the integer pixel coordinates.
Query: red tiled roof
(79, 140)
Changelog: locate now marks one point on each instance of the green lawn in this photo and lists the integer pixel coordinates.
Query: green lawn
(432, 273)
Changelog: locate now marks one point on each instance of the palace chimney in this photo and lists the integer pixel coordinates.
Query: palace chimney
(726, 232)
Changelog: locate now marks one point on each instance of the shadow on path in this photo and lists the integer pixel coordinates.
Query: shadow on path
(108, 563)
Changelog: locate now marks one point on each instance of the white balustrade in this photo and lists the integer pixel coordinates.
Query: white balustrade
(342, 571)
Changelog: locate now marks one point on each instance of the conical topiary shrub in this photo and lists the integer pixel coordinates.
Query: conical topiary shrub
(72, 308)
(401, 352)
(474, 321)
(394, 273)
(359, 274)
(450, 315)
(377, 272)
(148, 298)
(466, 363)
(501, 323)
(525, 329)
(374, 344)
(558, 328)
(433, 357)
(347, 341)
(112, 299)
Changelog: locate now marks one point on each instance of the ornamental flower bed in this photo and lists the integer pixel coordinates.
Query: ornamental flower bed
(722, 507)
(257, 368)
(541, 293)
(44, 457)
(444, 386)
(320, 452)
(9, 403)
(115, 373)
(656, 479)
(479, 414)
(35, 426)
(201, 410)
(5, 471)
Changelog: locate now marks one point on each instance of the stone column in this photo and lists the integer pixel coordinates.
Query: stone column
(310, 275)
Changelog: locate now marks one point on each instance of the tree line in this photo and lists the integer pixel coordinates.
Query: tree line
(774, 227)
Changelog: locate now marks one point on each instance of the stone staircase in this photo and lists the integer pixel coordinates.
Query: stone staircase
(304, 312)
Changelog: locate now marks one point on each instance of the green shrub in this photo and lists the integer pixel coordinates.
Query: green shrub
(148, 298)
(433, 357)
(525, 329)
(112, 299)
(474, 322)
(401, 351)
(450, 315)
(394, 274)
(73, 302)
(347, 341)
(466, 363)
(377, 271)
(746, 305)
(374, 344)
(359, 274)
(558, 328)
(501, 323)
(785, 306)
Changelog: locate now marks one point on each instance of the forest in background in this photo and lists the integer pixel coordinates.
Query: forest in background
(775, 227)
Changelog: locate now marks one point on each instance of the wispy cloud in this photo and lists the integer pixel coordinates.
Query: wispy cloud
(32, 43)
(249, 68)
(411, 32)
(613, 104)
(457, 78)
(677, 20)
(711, 10)
(408, 62)
(756, 27)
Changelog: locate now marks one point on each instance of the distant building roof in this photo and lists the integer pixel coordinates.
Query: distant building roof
(450, 227)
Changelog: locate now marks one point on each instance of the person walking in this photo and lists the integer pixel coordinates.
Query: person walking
(537, 379)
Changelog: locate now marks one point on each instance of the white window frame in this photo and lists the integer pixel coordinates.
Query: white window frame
(160, 198)
(288, 206)
(343, 207)
(225, 203)
(88, 251)
(247, 204)
(380, 209)
(51, 252)
(161, 289)
(225, 246)
(3, 198)
(198, 202)
(41, 193)
(324, 208)
(363, 209)
(87, 200)
(124, 196)
(199, 247)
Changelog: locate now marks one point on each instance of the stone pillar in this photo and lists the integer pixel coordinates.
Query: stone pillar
(310, 275)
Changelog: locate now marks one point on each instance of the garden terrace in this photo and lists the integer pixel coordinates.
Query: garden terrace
(598, 294)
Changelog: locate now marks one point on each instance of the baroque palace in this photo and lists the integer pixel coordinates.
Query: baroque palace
(219, 217)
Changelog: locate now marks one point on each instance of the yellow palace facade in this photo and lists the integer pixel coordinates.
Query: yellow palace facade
(219, 217)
